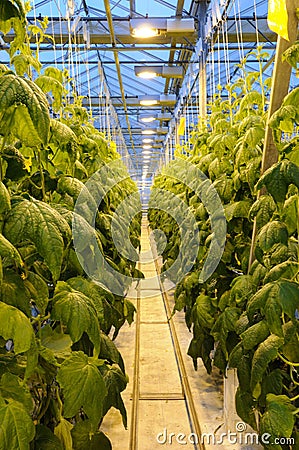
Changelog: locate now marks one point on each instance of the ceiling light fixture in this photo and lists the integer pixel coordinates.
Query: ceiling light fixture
(149, 132)
(147, 140)
(146, 147)
(148, 74)
(148, 102)
(147, 119)
(159, 71)
(144, 31)
(145, 27)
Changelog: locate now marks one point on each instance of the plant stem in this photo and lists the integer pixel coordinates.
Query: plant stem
(289, 363)
(42, 177)
(45, 407)
(294, 398)
(292, 378)
(1, 151)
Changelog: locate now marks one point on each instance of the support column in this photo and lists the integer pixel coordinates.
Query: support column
(280, 83)
(279, 89)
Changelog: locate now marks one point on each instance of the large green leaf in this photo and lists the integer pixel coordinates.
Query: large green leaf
(109, 351)
(49, 84)
(7, 250)
(83, 386)
(91, 290)
(63, 432)
(16, 91)
(39, 291)
(61, 133)
(242, 289)
(255, 334)
(245, 407)
(290, 214)
(224, 324)
(272, 233)
(102, 300)
(116, 382)
(10, 11)
(287, 269)
(237, 209)
(262, 210)
(273, 299)
(203, 311)
(12, 387)
(14, 291)
(77, 312)
(59, 343)
(272, 384)
(278, 178)
(4, 199)
(278, 420)
(266, 352)
(16, 426)
(16, 326)
(37, 222)
(45, 439)
(85, 437)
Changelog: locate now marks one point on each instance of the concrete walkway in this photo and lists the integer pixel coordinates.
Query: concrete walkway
(158, 400)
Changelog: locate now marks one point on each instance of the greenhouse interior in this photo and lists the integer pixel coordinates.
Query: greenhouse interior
(149, 224)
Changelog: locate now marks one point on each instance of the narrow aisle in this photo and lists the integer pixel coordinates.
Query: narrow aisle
(169, 404)
(161, 408)
(154, 398)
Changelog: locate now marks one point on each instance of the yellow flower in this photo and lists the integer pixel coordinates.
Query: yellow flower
(28, 163)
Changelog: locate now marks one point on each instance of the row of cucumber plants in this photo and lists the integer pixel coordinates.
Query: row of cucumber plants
(60, 369)
(246, 317)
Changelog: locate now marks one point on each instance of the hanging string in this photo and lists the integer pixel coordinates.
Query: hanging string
(70, 55)
(88, 77)
(108, 124)
(76, 62)
(213, 72)
(53, 34)
(241, 31)
(63, 68)
(227, 51)
(191, 101)
(219, 58)
(101, 89)
(237, 24)
(225, 54)
(259, 57)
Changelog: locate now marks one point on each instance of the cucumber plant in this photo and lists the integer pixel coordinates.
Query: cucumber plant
(60, 370)
(246, 317)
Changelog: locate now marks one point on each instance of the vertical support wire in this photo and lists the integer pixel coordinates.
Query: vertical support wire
(53, 35)
(77, 71)
(88, 78)
(259, 61)
(219, 60)
(70, 56)
(241, 31)
(212, 73)
(61, 41)
(238, 33)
